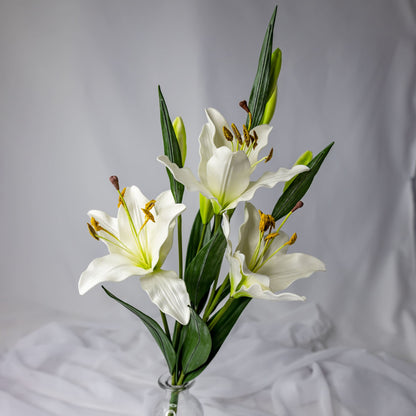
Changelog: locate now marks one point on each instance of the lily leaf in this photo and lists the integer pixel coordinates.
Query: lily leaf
(171, 147)
(298, 188)
(205, 267)
(259, 92)
(157, 332)
(220, 332)
(194, 238)
(196, 344)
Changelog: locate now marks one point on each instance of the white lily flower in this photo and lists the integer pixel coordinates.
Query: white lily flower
(260, 266)
(138, 241)
(226, 162)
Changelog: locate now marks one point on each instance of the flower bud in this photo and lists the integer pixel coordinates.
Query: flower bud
(275, 66)
(205, 209)
(180, 132)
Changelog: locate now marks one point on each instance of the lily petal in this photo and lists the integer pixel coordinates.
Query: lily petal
(110, 268)
(262, 132)
(229, 175)
(185, 176)
(161, 231)
(216, 123)
(256, 291)
(268, 180)
(285, 269)
(168, 292)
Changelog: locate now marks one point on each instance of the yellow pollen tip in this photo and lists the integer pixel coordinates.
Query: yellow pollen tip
(120, 198)
(149, 215)
(247, 137)
(269, 156)
(95, 224)
(227, 134)
(92, 231)
(236, 132)
(292, 239)
(150, 204)
(271, 236)
(267, 222)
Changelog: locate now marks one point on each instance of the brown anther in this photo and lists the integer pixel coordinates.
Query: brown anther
(267, 222)
(120, 198)
(247, 137)
(149, 215)
(297, 206)
(236, 132)
(150, 204)
(227, 134)
(114, 181)
(270, 236)
(255, 139)
(292, 239)
(95, 224)
(244, 106)
(269, 156)
(92, 231)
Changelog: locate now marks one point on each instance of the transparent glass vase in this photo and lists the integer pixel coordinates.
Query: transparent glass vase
(176, 400)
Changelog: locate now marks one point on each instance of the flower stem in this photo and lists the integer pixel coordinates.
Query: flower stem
(180, 247)
(165, 325)
(204, 229)
(221, 312)
(212, 304)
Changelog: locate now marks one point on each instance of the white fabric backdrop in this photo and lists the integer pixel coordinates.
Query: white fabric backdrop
(79, 102)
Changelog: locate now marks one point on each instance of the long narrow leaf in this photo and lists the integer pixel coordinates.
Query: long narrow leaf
(157, 332)
(259, 91)
(194, 238)
(196, 344)
(298, 188)
(171, 147)
(205, 267)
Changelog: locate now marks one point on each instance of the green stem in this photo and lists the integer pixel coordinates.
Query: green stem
(212, 304)
(204, 229)
(165, 325)
(221, 312)
(180, 246)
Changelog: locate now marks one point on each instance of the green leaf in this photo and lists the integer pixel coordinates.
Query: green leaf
(171, 147)
(196, 344)
(194, 238)
(157, 332)
(226, 323)
(220, 332)
(298, 188)
(259, 92)
(205, 267)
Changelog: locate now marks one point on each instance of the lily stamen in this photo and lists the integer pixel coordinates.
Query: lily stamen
(92, 231)
(120, 202)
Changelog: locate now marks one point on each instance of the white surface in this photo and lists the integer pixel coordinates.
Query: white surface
(79, 103)
(265, 368)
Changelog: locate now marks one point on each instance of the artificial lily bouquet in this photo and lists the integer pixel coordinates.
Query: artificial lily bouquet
(204, 305)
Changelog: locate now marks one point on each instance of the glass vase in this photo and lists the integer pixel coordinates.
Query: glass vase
(176, 400)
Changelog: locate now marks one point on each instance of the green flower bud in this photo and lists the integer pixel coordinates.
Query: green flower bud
(303, 159)
(180, 132)
(269, 109)
(275, 66)
(205, 209)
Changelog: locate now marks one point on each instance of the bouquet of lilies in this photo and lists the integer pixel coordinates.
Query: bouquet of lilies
(204, 305)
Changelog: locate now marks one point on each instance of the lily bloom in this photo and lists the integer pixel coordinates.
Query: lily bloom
(260, 267)
(227, 159)
(138, 241)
